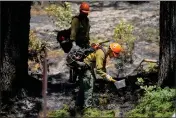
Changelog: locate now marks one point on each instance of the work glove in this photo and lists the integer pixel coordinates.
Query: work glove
(80, 64)
(74, 47)
(109, 78)
(73, 43)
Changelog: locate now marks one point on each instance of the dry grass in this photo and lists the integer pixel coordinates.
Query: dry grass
(33, 65)
(55, 53)
(37, 11)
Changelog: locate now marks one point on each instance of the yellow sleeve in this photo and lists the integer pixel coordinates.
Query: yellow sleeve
(74, 29)
(89, 59)
(100, 66)
(98, 57)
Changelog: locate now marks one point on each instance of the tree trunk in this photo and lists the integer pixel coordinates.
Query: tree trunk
(14, 47)
(167, 71)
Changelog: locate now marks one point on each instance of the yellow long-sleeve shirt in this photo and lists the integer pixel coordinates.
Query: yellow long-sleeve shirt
(98, 60)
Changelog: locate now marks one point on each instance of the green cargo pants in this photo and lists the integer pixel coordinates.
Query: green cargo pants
(86, 86)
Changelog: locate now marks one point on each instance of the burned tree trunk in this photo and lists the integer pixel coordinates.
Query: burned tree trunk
(14, 47)
(167, 65)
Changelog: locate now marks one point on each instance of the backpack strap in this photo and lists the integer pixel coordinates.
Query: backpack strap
(103, 50)
(78, 17)
(75, 17)
(96, 47)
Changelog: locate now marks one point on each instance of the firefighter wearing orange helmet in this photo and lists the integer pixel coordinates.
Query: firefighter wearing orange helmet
(96, 60)
(84, 7)
(79, 36)
(80, 27)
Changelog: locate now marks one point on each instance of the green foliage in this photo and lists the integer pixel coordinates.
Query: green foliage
(34, 43)
(88, 112)
(62, 14)
(156, 102)
(59, 113)
(146, 88)
(123, 34)
(35, 50)
(94, 112)
(35, 47)
(152, 67)
(140, 81)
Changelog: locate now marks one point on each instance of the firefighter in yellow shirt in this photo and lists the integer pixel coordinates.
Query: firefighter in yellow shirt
(96, 60)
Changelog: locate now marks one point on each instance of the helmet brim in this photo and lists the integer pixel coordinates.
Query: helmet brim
(84, 11)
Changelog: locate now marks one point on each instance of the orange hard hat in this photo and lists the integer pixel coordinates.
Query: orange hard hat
(84, 7)
(116, 49)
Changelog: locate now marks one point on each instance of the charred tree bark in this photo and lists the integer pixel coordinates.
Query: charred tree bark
(167, 71)
(14, 47)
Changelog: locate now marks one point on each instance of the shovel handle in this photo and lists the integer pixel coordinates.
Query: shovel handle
(150, 60)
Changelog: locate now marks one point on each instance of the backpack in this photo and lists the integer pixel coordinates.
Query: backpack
(63, 37)
(78, 54)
